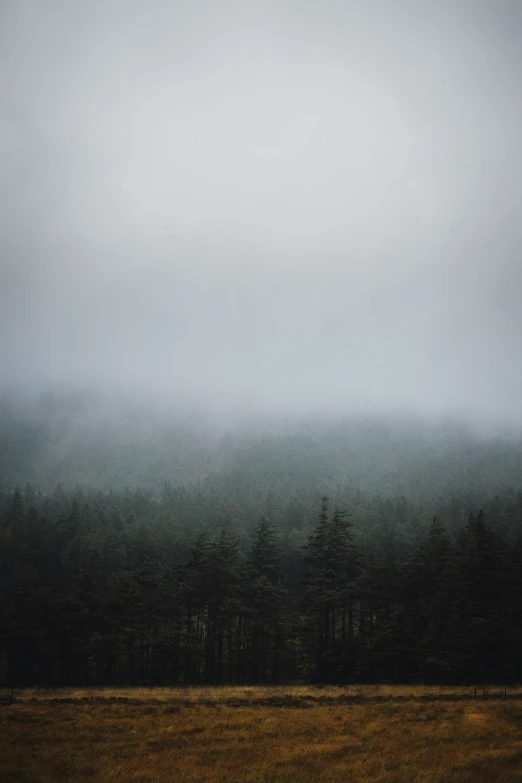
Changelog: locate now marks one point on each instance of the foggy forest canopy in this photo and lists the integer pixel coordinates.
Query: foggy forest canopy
(151, 546)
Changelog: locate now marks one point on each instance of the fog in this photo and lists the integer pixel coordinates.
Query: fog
(288, 205)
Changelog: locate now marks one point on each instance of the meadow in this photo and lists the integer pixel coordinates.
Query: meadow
(364, 734)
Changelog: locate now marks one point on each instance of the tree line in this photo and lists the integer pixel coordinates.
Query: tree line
(110, 589)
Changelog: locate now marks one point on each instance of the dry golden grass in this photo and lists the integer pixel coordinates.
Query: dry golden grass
(261, 735)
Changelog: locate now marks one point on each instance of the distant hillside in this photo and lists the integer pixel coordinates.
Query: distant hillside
(112, 444)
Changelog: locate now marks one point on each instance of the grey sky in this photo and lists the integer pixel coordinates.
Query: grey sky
(306, 204)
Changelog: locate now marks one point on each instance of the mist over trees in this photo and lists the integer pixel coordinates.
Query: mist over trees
(110, 443)
(147, 547)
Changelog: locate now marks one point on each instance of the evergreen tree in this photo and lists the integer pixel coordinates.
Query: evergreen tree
(266, 604)
(329, 599)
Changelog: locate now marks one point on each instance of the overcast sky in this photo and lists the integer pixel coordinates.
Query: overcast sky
(297, 203)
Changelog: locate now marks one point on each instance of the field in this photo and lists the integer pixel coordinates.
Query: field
(263, 735)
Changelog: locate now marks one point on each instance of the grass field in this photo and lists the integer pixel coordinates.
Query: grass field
(262, 735)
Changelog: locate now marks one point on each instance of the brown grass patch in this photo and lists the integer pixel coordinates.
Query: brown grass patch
(261, 735)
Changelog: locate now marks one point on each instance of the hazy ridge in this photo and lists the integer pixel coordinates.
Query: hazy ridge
(109, 444)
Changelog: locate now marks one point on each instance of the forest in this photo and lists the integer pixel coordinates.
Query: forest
(264, 570)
